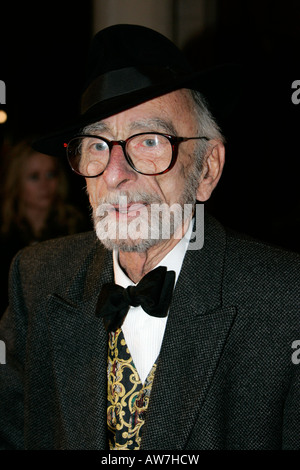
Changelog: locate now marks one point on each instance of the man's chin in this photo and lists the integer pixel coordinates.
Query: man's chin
(128, 246)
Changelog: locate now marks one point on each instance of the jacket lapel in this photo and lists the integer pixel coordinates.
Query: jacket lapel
(79, 348)
(196, 333)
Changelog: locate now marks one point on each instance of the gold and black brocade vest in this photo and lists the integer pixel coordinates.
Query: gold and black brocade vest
(127, 397)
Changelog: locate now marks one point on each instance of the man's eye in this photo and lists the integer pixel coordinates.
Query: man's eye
(99, 146)
(150, 142)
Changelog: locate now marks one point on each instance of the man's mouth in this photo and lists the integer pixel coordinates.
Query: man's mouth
(130, 210)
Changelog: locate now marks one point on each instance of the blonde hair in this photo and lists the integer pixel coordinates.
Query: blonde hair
(14, 164)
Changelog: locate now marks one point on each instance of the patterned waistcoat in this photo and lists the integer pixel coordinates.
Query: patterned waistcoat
(127, 397)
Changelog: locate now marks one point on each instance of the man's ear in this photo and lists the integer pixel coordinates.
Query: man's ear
(212, 169)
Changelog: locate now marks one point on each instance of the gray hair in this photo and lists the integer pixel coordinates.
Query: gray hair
(207, 125)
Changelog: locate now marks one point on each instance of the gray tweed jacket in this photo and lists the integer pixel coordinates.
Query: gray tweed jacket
(225, 377)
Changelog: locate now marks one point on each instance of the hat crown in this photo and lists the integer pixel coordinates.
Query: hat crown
(122, 46)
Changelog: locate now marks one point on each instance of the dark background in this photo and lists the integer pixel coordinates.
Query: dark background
(259, 192)
(43, 56)
(43, 53)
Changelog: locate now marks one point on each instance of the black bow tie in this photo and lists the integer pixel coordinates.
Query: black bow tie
(153, 293)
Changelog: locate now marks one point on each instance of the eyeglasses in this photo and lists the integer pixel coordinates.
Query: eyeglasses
(148, 153)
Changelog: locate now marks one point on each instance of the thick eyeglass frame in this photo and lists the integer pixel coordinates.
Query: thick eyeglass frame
(174, 141)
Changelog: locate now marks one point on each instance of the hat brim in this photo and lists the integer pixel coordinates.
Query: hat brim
(218, 85)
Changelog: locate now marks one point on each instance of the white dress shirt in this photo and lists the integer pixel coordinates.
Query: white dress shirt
(144, 333)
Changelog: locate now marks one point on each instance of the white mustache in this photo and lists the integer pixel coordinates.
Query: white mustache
(124, 197)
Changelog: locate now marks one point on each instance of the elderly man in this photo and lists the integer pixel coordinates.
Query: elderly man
(129, 337)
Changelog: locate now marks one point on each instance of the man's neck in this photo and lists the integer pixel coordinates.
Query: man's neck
(136, 264)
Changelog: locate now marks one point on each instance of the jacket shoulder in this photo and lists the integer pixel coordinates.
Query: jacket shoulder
(241, 247)
(54, 262)
(255, 269)
(70, 246)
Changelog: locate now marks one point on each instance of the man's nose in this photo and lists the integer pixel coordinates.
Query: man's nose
(118, 172)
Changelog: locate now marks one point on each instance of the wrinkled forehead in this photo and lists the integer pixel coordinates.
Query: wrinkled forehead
(170, 114)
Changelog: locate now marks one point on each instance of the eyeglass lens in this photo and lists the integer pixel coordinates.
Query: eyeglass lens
(147, 153)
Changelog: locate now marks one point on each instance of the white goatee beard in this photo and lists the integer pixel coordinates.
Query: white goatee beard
(155, 221)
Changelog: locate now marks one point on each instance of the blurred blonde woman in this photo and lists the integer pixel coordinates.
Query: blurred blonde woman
(34, 208)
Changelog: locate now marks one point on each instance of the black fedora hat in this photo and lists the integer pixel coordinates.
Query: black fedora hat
(131, 64)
